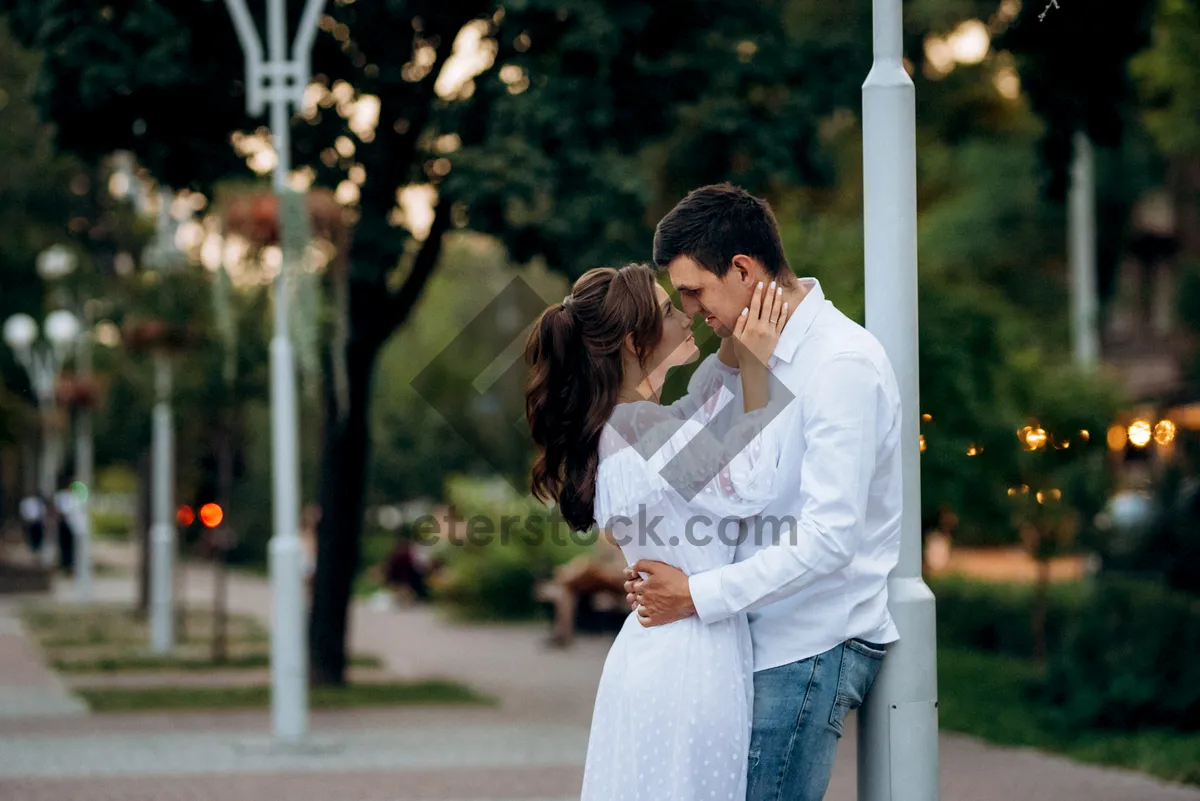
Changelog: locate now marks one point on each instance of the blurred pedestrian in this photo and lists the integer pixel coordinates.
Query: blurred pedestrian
(406, 568)
(33, 515)
(309, 518)
(67, 505)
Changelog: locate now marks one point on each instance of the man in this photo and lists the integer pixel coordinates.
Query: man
(811, 570)
(33, 514)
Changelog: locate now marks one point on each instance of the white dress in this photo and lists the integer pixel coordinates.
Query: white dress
(673, 708)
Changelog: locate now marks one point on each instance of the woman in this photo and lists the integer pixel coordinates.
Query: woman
(672, 715)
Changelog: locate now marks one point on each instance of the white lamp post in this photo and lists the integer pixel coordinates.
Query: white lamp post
(43, 362)
(84, 467)
(54, 263)
(1081, 250)
(162, 529)
(898, 729)
(62, 330)
(161, 254)
(279, 81)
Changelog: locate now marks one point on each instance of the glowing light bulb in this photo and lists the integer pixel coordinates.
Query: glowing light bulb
(1140, 433)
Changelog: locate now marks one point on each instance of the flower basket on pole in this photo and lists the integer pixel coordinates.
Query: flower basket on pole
(154, 334)
(255, 216)
(78, 392)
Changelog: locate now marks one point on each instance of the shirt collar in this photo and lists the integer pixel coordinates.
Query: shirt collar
(800, 320)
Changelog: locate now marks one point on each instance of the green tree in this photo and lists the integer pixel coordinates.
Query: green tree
(35, 204)
(1062, 479)
(547, 148)
(1166, 76)
(46, 198)
(1167, 79)
(1073, 60)
(35, 186)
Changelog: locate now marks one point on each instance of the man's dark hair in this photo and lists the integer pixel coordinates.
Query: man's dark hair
(715, 223)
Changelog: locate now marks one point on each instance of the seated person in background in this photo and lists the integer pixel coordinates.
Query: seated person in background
(600, 571)
(406, 567)
(310, 517)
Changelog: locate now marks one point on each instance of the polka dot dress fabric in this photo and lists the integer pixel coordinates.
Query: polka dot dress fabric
(673, 708)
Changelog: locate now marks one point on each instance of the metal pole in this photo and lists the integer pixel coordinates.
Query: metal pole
(1081, 247)
(289, 664)
(162, 492)
(84, 468)
(47, 477)
(898, 730)
(162, 530)
(284, 80)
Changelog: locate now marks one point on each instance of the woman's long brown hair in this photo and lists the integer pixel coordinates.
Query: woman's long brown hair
(575, 374)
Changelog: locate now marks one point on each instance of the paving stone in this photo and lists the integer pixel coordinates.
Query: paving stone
(529, 748)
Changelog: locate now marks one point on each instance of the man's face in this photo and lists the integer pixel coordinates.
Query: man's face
(719, 301)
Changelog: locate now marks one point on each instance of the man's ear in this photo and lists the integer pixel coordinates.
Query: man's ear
(746, 268)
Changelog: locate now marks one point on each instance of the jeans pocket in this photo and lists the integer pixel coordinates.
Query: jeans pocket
(868, 649)
(861, 661)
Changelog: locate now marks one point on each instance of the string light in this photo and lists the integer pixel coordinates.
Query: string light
(1140, 433)
(1164, 432)
(1032, 438)
(1117, 437)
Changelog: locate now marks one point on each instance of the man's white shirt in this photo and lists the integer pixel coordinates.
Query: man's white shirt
(811, 570)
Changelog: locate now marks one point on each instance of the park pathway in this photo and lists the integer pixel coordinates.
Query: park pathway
(529, 747)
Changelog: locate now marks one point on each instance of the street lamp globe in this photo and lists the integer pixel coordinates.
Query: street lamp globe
(20, 331)
(55, 262)
(61, 328)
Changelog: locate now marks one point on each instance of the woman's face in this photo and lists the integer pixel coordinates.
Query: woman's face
(677, 346)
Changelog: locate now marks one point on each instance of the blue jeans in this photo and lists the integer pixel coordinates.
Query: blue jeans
(799, 709)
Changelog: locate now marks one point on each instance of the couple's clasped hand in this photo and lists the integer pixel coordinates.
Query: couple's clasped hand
(662, 596)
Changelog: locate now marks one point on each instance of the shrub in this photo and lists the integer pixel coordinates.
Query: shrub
(1122, 653)
(109, 525)
(997, 617)
(494, 576)
(1129, 659)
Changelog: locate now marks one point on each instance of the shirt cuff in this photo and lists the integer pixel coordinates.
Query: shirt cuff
(705, 589)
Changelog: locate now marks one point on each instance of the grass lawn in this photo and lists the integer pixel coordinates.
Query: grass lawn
(67, 626)
(107, 569)
(148, 662)
(988, 696)
(108, 638)
(157, 699)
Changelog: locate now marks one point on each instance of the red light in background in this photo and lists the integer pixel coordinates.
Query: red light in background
(211, 515)
(184, 515)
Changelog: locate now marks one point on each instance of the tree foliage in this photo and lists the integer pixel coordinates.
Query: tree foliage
(1073, 60)
(579, 124)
